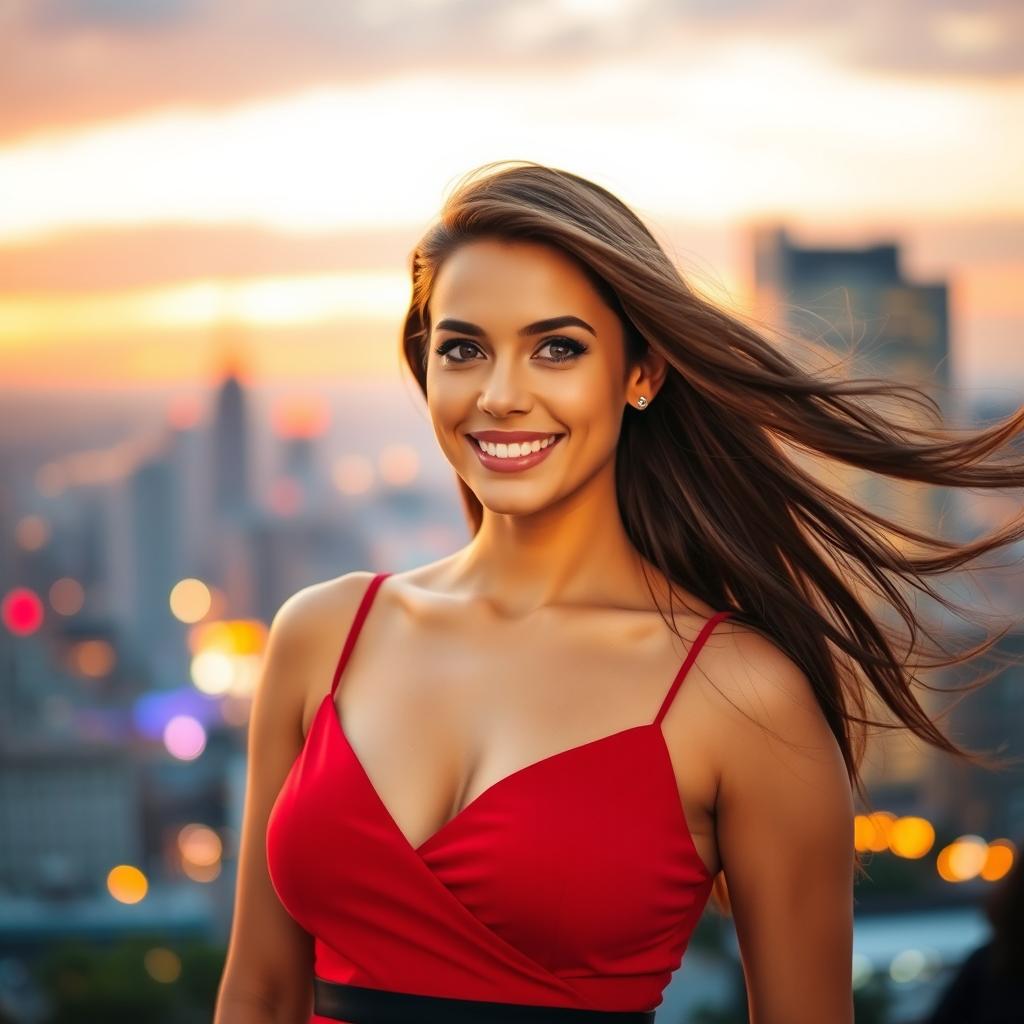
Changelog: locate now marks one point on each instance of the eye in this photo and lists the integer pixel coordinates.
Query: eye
(454, 343)
(568, 347)
(571, 349)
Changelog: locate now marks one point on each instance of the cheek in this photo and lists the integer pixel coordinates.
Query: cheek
(586, 403)
(442, 394)
(450, 407)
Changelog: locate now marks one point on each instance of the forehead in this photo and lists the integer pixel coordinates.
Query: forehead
(495, 274)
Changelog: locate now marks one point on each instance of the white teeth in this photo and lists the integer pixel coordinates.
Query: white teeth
(514, 450)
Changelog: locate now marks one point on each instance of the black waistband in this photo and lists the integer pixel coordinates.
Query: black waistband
(358, 1005)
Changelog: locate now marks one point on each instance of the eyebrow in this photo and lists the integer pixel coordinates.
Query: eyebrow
(540, 327)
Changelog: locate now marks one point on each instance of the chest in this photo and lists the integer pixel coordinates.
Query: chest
(443, 713)
(576, 862)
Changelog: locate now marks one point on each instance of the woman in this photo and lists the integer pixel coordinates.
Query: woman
(513, 810)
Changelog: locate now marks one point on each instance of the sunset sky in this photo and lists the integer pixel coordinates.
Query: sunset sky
(170, 166)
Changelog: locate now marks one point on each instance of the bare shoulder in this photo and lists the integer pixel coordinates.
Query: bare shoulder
(755, 687)
(769, 737)
(309, 629)
(306, 611)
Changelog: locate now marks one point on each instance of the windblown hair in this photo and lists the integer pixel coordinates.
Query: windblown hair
(708, 487)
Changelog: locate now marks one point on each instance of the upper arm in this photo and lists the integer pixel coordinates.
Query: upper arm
(270, 957)
(784, 822)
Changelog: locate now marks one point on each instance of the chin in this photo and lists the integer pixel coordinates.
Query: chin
(521, 505)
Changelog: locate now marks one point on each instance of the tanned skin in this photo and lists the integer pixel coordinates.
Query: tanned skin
(540, 634)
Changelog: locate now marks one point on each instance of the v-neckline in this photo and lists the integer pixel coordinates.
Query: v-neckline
(643, 729)
(338, 726)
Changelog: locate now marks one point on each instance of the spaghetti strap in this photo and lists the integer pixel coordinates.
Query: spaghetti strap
(357, 624)
(385, 908)
(691, 656)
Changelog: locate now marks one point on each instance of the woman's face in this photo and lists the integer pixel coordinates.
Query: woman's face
(495, 368)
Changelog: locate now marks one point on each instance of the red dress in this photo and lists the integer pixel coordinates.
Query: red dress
(572, 882)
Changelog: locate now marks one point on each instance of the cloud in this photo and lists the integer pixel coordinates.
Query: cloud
(914, 37)
(112, 259)
(64, 15)
(78, 63)
(68, 62)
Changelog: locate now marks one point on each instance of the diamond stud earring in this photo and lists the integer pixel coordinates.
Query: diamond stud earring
(641, 402)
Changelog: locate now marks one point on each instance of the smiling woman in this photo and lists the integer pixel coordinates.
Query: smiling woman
(514, 810)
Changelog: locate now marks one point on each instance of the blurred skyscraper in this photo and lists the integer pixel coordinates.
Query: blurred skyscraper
(897, 326)
(230, 464)
(857, 303)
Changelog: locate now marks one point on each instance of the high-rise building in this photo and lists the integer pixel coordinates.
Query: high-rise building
(230, 463)
(857, 301)
(858, 305)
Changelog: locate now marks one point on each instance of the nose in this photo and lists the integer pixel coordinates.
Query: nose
(502, 394)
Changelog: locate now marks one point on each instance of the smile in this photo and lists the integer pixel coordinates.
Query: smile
(515, 456)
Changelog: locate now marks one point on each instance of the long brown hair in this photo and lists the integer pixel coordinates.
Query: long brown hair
(708, 483)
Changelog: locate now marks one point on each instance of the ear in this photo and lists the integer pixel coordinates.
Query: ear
(646, 377)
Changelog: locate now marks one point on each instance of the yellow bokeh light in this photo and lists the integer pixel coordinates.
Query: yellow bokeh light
(871, 831)
(127, 884)
(248, 636)
(229, 636)
(227, 656)
(911, 837)
(190, 600)
(1001, 855)
(943, 867)
(962, 859)
(864, 833)
(212, 672)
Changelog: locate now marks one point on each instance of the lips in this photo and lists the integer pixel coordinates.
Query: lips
(512, 436)
(512, 464)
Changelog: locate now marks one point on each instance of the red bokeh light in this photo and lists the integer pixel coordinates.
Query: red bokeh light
(22, 611)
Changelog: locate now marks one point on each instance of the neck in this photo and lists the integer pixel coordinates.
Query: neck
(573, 552)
